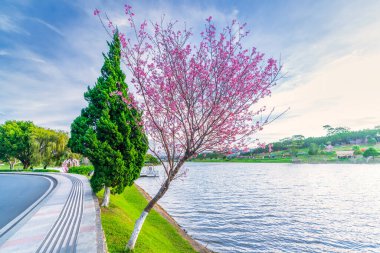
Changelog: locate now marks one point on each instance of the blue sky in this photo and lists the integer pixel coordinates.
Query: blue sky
(50, 51)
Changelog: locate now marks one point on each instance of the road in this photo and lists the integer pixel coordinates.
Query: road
(17, 193)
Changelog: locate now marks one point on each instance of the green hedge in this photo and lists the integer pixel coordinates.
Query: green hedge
(45, 170)
(83, 170)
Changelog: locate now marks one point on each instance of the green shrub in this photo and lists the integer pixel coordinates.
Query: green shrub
(83, 170)
(313, 149)
(371, 152)
(45, 170)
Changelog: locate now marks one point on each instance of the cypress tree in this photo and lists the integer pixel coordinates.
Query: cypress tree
(108, 132)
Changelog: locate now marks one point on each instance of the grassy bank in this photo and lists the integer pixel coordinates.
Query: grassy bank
(157, 234)
(19, 168)
(317, 159)
(244, 160)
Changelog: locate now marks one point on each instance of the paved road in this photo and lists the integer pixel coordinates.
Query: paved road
(17, 193)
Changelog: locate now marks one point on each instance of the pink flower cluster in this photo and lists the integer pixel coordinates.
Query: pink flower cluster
(264, 146)
(96, 12)
(68, 163)
(270, 146)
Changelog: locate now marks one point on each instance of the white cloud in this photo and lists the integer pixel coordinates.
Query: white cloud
(48, 25)
(7, 24)
(12, 24)
(343, 93)
(23, 54)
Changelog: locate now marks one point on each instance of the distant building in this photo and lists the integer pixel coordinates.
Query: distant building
(233, 155)
(345, 154)
(356, 141)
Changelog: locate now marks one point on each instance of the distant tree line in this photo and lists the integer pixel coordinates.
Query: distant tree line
(335, 136)
(23, 141)
(211, 155)
(151, 160)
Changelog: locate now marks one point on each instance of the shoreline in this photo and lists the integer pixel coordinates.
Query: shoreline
(298, 162)
(196, 245)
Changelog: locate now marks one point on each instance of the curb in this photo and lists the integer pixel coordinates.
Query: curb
(102, 244)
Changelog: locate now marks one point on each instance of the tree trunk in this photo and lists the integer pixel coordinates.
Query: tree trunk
(164, 188)
(139, 223)
(136, 230)
(45, 166)
(106, 197)
(25, 165)
(12, 163)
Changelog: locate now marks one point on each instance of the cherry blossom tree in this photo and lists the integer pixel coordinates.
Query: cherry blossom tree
(196, 96)
(68, 163)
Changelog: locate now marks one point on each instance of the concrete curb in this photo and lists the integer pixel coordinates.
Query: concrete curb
(102, 245)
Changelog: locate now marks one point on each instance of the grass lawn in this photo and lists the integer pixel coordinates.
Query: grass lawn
(157, 234)
(19, 168)
(5, 166)
(245, 160)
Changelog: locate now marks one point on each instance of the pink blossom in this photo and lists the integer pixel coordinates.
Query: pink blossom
(261, 145)
(127, 9)
(68, 163)
(270, 146)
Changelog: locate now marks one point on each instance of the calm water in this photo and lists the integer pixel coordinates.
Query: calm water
(277, 207)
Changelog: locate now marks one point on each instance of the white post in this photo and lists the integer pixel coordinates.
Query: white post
(136, 231)
(106, 197)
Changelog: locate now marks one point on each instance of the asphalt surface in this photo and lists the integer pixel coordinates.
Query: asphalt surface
(17, 193)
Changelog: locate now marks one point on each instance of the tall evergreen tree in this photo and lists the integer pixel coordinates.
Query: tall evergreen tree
(108, 130)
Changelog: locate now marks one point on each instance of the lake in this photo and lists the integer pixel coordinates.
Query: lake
(242, 207)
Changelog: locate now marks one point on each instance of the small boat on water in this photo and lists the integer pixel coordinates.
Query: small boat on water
(149, 172)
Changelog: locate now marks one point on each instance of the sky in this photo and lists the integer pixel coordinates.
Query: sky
(51, 51)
